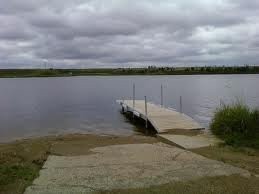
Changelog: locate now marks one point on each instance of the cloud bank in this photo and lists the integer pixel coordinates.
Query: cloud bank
(122, 33)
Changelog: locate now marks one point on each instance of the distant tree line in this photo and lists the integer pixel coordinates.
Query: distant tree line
(150, 70)
(246, 69)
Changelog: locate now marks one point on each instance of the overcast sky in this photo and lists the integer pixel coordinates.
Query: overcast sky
(122, 33)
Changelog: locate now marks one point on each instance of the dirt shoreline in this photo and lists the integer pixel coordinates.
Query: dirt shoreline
(21, 160)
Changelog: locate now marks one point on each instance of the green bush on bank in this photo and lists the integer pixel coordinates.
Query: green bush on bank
(237, 125)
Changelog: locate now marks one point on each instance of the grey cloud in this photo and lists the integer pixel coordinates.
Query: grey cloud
(119, 33)
(14, 28)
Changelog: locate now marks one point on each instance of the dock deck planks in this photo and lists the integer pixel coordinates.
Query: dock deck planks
(162, 119)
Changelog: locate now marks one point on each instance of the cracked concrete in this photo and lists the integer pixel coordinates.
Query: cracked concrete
(190, 142)
(125, 166)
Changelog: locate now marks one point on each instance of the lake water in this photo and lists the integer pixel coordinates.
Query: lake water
(47, 106)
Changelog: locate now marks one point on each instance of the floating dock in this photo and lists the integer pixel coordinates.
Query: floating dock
(164, 120)
(172, 127)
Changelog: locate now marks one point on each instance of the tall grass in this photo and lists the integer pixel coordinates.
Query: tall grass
(237, 124)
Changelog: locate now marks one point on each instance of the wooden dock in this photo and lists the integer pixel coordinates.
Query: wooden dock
(164, 120)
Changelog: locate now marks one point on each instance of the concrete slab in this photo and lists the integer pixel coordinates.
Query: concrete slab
(125, 166)
(189, 142)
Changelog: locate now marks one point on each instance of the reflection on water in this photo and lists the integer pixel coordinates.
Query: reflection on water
(43, 106)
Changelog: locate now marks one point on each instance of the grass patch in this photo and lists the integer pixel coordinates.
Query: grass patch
(237, 125)
(15, 178)
(10, 173)
(246, 158)
(20, 163)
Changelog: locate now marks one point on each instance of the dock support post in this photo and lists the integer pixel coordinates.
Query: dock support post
(146, 111)
(122, 109)
(133, 99)
(162, 100)
(181, 105)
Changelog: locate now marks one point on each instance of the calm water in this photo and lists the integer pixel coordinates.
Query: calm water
(43, 106)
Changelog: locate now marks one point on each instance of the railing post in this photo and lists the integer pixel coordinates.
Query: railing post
(146, 111)
(181, 105)
(162, 100)
(221, 102)
(133, 99)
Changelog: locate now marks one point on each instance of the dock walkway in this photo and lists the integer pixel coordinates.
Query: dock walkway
(172, 127)
(163, 119)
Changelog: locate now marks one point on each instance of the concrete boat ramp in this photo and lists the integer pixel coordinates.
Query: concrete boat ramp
(171, 126)
(139, 165)
(124, 167)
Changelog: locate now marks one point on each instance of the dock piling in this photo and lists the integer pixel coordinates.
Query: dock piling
(181, 105)
(162, 100)
(122, 108)
(133, 99)
(146, 111)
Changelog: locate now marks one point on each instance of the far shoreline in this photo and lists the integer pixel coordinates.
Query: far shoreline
(149, 71)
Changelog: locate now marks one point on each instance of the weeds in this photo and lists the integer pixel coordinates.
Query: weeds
(237, 125)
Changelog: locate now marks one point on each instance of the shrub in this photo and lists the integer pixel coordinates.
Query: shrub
(237, 125)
